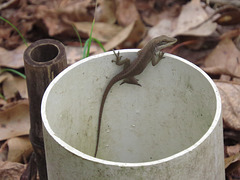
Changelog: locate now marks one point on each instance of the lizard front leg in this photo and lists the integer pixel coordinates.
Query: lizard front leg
(157, 57)
(125, 62)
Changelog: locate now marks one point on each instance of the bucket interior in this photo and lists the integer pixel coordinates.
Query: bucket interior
(172, 110)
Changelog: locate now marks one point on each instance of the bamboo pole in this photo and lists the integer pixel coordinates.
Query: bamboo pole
(43, 60)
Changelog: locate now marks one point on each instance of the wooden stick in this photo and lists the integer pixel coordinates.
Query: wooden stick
(43, 61)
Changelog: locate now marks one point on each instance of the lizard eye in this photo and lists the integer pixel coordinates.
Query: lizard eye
(164, 42)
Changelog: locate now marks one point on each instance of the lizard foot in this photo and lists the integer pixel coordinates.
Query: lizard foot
(131, 80)
(118, 57)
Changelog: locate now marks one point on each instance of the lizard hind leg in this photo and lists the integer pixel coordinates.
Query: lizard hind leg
(131, 80)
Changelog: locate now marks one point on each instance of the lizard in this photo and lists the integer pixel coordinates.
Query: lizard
(151, 52)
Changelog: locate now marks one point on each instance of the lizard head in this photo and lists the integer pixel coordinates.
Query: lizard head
(163, 41)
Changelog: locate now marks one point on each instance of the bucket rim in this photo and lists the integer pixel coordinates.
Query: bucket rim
(216, 119)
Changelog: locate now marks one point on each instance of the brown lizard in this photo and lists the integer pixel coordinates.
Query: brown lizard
(151, 52)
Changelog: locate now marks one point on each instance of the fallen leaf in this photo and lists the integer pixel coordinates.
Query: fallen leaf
(74, 54)
(229, 15)
(186, 21)
(14, 58)
(4, 5)
(54, 18)
(231, 135)
(3, 102)
(22, 17)
(233, 150)
(205, 29)
(21, 86)
(19, 149)
(101, 31)
(151, 16)
(225, 57)
(8, 86)
(135, 36)
(11, 170)
(126, 12)
(13, 84)
(233, 169)
(119, 38)
(105, 11)
(15, 121)
(164, 27)
(218, 70)
(3, 152)
(229, 160)
(230, 93)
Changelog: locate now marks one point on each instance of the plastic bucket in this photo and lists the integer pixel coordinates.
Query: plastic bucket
(170, 128)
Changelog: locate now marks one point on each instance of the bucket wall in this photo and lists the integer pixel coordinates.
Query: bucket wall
(170, 128)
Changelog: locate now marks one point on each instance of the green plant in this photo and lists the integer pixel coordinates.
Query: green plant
(20, 34)
(2, 97)
(8, 69)
(87, 45)
(13, 71)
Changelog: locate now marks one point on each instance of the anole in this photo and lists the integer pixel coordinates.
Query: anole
(151, 52)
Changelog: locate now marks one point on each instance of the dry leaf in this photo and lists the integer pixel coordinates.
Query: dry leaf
(52, 20)
(74, 54)
(21, 86)
(229, 15)
(105, 12)
(15, 121)
(101, 31)
(12, 84)
(229, 160)
(164, 27)
(151, 16)
(119, 38)
(233, 150)
(217, 70)
(126, 12)
(148, 13)
(55, 18)
(205, 29)
(11, 170)
(225, 57)
(186, 21)
(8, 86)
(3, 152)
(12, 59)
(230, 93)
(135, 35)
(19, 149)
(3, 102)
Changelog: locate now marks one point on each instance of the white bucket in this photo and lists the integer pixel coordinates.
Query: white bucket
(170, 128)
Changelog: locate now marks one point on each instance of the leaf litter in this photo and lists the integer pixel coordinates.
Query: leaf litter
(209, 39)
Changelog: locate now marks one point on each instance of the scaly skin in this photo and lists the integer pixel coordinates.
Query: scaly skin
(147, 54)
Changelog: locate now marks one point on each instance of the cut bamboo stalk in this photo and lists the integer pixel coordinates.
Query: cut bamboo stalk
(43, 60)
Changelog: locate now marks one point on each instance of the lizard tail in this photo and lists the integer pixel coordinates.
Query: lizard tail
(104, 97)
